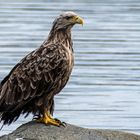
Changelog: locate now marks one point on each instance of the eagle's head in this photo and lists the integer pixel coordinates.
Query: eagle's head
(67, 20)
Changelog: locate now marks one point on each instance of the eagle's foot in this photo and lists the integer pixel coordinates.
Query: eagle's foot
(49, 120)
(61, 123)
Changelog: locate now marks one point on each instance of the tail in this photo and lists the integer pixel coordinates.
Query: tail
(1, 126)
(8, 118)
(10, 113)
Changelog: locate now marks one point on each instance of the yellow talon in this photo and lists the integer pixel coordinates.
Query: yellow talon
(48, 119)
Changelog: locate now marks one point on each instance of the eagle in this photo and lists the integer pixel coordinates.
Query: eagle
(31, 85)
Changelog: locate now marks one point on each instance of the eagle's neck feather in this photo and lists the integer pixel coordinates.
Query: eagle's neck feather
(62, 37)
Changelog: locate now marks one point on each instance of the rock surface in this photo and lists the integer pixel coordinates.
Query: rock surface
(38, 131)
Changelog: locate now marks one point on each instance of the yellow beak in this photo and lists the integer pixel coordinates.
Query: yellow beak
(78, 20)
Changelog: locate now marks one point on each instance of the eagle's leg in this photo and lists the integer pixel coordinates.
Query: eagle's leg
(48, 119)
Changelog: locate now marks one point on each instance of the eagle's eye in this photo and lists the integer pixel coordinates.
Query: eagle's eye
(68, 17)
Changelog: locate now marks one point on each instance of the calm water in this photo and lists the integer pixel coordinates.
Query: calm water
(104, 89)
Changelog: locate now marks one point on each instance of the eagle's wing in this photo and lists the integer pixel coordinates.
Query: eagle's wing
(26, 80)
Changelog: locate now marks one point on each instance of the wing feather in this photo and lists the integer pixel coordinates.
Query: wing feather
(27, 78)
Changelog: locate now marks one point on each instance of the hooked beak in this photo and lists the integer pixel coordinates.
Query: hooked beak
(78, 20)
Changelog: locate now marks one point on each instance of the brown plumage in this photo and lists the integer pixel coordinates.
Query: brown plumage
(31, 85)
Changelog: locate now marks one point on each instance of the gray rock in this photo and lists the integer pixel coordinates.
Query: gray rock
(38, 131)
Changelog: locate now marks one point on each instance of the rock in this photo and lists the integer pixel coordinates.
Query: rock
(38, 131)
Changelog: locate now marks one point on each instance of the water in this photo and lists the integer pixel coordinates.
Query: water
(104, 89)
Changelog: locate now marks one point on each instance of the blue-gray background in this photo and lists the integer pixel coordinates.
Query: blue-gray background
(104, 89)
